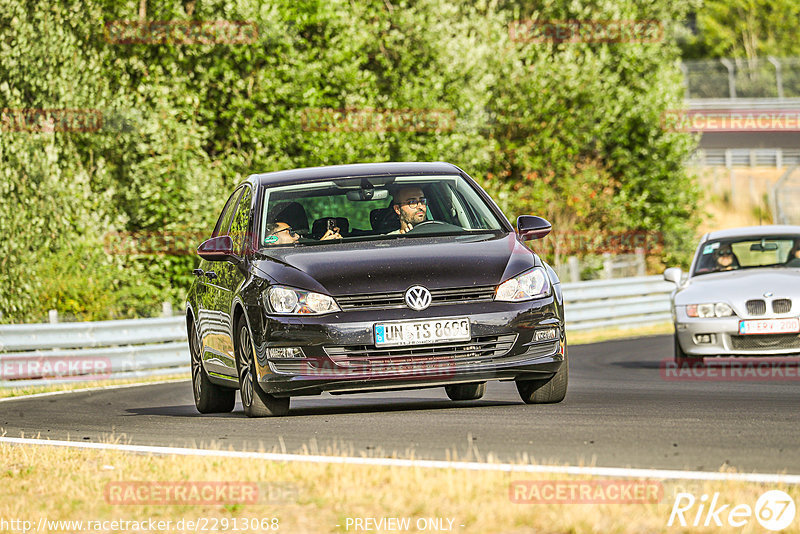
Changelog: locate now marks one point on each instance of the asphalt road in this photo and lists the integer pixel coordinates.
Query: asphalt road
(619, 412)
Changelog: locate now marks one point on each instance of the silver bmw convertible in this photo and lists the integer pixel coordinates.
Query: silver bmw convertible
(741, 296)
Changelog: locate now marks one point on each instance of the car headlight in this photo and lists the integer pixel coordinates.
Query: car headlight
(286, 300)
(528, 285)
(717, 309)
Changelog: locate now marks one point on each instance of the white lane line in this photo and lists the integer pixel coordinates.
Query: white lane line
(95, 388)
(438, 464)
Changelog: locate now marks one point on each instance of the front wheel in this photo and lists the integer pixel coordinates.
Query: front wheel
(208, 397)
(546, 391)
(681, 358)
(255, 401)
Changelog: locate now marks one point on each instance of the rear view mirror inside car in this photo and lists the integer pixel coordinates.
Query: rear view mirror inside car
(367, 194)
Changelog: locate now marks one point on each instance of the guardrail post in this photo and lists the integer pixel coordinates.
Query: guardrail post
(166, 309)
(608, 266)
(574, 269)
(53, 316)
(641, 267)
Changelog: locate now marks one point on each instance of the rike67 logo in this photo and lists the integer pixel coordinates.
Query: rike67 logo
(774, 510)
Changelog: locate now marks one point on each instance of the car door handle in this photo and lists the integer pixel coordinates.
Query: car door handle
(211, 275)
(198, 272)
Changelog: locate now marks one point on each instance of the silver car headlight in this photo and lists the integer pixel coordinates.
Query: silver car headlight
(289, 301)
(715, 309)
(528, 285)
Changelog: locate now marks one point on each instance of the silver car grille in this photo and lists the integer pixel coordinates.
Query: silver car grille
(397, 300)
(362, 356)
(781, 305)
(756, 307)
(766, 341)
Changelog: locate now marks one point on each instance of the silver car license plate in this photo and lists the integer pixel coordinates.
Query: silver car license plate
(770, 326)
(398, 333)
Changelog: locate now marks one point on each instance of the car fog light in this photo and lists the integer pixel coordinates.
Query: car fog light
(285, 352)
(546, 335)
(704, 339)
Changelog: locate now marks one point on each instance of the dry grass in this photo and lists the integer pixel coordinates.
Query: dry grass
(69, 484)
(70, 386)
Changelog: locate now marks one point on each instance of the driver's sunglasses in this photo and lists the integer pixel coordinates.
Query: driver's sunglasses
(414, 201)
(287, 229)
(726, 253)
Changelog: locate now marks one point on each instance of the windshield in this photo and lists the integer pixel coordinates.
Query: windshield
(373, 208)
(746, 253)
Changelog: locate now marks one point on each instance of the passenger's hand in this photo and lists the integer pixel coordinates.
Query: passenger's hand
(332, 234)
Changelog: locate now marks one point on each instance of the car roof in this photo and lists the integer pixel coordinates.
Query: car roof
(312, 174)
(754, 231)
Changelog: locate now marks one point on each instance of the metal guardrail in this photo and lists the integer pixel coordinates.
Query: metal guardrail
(745, 157)
(35, 354)
(622, 302)
(38, 354)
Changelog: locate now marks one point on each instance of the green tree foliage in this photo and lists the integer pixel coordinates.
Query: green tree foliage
(567, 130)
(745, 29)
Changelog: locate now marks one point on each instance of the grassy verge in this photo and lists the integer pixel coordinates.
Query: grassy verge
(31, 390)
(311, 498)
(595, 336)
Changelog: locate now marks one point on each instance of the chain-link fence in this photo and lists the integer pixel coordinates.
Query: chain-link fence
(743, 78)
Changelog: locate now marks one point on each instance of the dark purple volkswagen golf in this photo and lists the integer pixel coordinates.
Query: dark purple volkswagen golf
(371, 277)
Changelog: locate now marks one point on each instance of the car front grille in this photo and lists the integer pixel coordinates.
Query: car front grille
(766, 342)
(366, 356)
(756, 307)
(781, 305)
(396, 299)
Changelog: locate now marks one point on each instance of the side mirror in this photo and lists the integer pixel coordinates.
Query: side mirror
(218, 248)
(673, 274)
(532, 227)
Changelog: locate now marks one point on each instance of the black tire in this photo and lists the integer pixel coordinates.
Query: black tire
(465, 392)
(208, 397)
(681, 358)
(255, 401)
(546, 391)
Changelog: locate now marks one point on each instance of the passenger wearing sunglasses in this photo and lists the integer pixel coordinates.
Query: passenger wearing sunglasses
(411, 207)
(280, 233)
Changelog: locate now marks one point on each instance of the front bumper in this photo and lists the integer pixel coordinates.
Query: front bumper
(326, 341)
(719, 336)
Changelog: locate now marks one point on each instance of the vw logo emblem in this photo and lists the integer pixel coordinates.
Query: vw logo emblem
(768, 294)
(418, 298)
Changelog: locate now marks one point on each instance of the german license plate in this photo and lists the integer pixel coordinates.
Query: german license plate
(398, 333)
(770, 326)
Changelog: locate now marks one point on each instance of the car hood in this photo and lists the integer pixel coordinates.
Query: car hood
(394, 265)
(737, 287)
